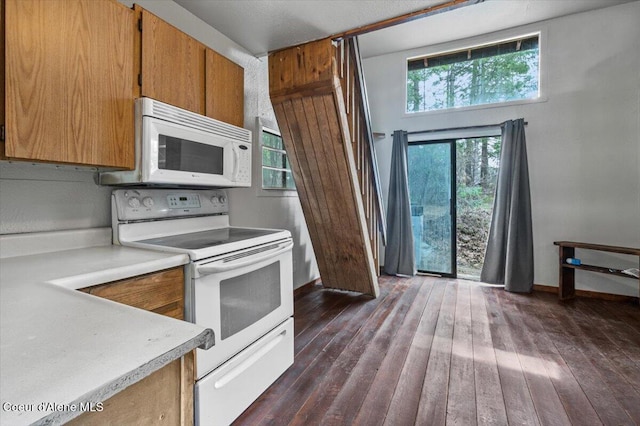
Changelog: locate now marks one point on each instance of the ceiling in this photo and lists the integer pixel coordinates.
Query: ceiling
(261, 26)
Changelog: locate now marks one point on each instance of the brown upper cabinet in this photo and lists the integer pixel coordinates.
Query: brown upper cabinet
(225, 89)
(71, 69)
(172, 64)
(181, 71)
(69, 72)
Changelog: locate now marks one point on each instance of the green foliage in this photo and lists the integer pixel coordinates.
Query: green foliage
(470, 196)
(277, 179)
(272, 140)
(273, 158)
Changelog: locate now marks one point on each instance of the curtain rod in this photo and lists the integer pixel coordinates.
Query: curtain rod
(484, 126)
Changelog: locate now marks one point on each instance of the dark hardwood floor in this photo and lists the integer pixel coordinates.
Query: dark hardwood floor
(431, 351)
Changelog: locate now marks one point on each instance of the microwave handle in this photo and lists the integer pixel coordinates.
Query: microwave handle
(213, 269)
(236, 163)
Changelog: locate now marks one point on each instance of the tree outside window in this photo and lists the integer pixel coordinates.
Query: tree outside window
(487, 74)
(276, 170)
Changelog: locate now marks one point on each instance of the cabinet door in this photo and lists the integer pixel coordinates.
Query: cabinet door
(158, 399)
(225, 89)
(69, 79)
(172, 64)
(160, 292)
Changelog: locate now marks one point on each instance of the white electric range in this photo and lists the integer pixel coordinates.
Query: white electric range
(239, 283)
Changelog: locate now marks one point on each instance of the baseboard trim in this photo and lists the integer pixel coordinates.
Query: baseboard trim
(589, 294)
(306, 288)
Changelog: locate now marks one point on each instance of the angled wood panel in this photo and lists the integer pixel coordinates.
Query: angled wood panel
(311, 114)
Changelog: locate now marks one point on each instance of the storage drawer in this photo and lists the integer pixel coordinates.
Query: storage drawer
(227, 391)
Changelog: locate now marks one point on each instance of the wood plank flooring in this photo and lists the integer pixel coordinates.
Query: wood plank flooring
(433, 351)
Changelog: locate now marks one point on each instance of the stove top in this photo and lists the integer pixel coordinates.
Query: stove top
(204, 239)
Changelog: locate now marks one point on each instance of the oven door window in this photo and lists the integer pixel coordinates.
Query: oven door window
(188, 156)
(247, 298)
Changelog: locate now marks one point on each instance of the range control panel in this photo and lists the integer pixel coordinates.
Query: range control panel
(183, 201)
(142, 204)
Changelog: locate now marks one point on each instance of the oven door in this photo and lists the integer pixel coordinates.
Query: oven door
(176, 154)
(241, 296)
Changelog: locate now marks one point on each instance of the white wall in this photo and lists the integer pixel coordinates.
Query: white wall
(583, 138)
(37, 198)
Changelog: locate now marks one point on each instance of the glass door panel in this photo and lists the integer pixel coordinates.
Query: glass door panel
(477, 163)
(432, 191)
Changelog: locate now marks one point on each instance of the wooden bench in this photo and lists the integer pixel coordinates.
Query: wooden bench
(566, 249)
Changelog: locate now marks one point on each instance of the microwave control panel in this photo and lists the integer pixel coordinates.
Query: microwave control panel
(142, 204)
(244, 164)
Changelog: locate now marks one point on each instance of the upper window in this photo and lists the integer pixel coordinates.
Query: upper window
(276, 170)
(487, 74)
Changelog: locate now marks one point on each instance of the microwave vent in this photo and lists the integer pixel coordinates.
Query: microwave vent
(177, 115)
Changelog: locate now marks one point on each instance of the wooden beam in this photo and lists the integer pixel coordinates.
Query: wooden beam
(407, 17)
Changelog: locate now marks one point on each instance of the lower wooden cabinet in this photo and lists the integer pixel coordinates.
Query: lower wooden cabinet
(162, 398)
(161, 292)
(166, 396)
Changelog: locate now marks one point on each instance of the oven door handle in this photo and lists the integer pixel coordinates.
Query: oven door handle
(213, 269)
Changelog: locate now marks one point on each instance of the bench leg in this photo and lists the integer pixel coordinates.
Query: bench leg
(567, 276)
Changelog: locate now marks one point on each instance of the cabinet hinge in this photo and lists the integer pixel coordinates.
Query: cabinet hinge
(2, 133)
(140, 24)
(140, 80)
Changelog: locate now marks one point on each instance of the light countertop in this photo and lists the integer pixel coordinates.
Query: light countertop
(66, 347)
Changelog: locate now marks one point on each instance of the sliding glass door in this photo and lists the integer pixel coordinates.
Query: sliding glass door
(452, 186)
(432, 189)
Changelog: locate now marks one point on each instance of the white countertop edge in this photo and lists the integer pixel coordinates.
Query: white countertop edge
(204, 340)
(75, 282)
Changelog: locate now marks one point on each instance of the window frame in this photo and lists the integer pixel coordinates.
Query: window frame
(478, 42)
(264, 125)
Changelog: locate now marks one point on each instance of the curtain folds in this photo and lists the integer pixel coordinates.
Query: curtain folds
(509, 253)
(399, 256)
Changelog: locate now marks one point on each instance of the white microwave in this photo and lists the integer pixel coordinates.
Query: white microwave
(178, 148)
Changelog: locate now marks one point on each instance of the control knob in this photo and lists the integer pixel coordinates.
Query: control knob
(218, 199)
(134, 202)
(147, 201)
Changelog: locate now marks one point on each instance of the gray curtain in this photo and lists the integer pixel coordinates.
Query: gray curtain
(399, 257)
(509, 254)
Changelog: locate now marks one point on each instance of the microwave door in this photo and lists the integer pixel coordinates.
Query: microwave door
(179, 155)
